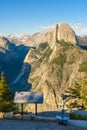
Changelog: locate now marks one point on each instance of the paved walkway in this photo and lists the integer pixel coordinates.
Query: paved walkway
(39, 125)
(82, 123)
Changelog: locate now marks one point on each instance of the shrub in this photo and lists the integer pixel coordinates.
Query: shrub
(83, 67)
(60, 60)
(43, 46)
(73, 115)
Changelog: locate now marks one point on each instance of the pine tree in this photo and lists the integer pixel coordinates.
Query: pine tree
(83, 94)
(77, 95)
(6, 96)
(73, 96)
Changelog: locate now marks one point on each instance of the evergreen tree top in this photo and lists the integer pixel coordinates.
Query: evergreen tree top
(3, 77)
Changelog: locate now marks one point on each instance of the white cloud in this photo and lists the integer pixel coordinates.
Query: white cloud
(80, 29)
(80, 24)
(45, 27)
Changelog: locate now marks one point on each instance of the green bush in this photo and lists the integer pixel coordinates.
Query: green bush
(43, 46)
(73, 115)
(60, 60)
(83, 67)
(72, 59)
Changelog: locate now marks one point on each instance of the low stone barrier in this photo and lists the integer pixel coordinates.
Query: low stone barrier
(9, 115)
(45, 118)
(28, 117)
(1, 115)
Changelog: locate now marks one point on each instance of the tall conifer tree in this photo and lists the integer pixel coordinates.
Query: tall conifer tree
(6, 96)
(77, 95)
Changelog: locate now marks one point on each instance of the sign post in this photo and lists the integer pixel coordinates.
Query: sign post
(28, 97)
(22, 110)
(36, 109)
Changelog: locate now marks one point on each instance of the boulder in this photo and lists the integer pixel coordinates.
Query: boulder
(1, 115)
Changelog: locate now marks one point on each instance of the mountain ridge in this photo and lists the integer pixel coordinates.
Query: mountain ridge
(55, 65)
(11, 58)
(52, 64)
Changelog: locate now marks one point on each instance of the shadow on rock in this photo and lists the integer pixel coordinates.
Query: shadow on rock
(21, 82)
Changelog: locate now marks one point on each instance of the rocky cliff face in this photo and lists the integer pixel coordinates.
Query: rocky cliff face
(61, 32)
(3, 42)
(52, 35)
(11, 58)
(56, 64)
(66, 33)
(39, 38)
(53, 76)
(7, 50)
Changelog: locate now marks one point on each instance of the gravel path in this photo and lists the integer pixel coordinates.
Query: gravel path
(35, 125)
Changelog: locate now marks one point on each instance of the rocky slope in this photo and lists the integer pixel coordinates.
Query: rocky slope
(53, 35)
(53, 76)
(11, 58)
(56, 64)
(7, 50)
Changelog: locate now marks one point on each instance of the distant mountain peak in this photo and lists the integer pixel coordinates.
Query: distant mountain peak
(3, 42)
(18, 38)
(57, 32)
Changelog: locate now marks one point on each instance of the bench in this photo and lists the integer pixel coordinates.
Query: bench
(62, 119)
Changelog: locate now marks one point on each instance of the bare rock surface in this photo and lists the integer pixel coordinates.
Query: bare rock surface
(66, 33)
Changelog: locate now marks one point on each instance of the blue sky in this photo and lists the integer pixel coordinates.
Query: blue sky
(30, 16)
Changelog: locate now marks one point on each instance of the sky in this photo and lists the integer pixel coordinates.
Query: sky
(31, 16)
